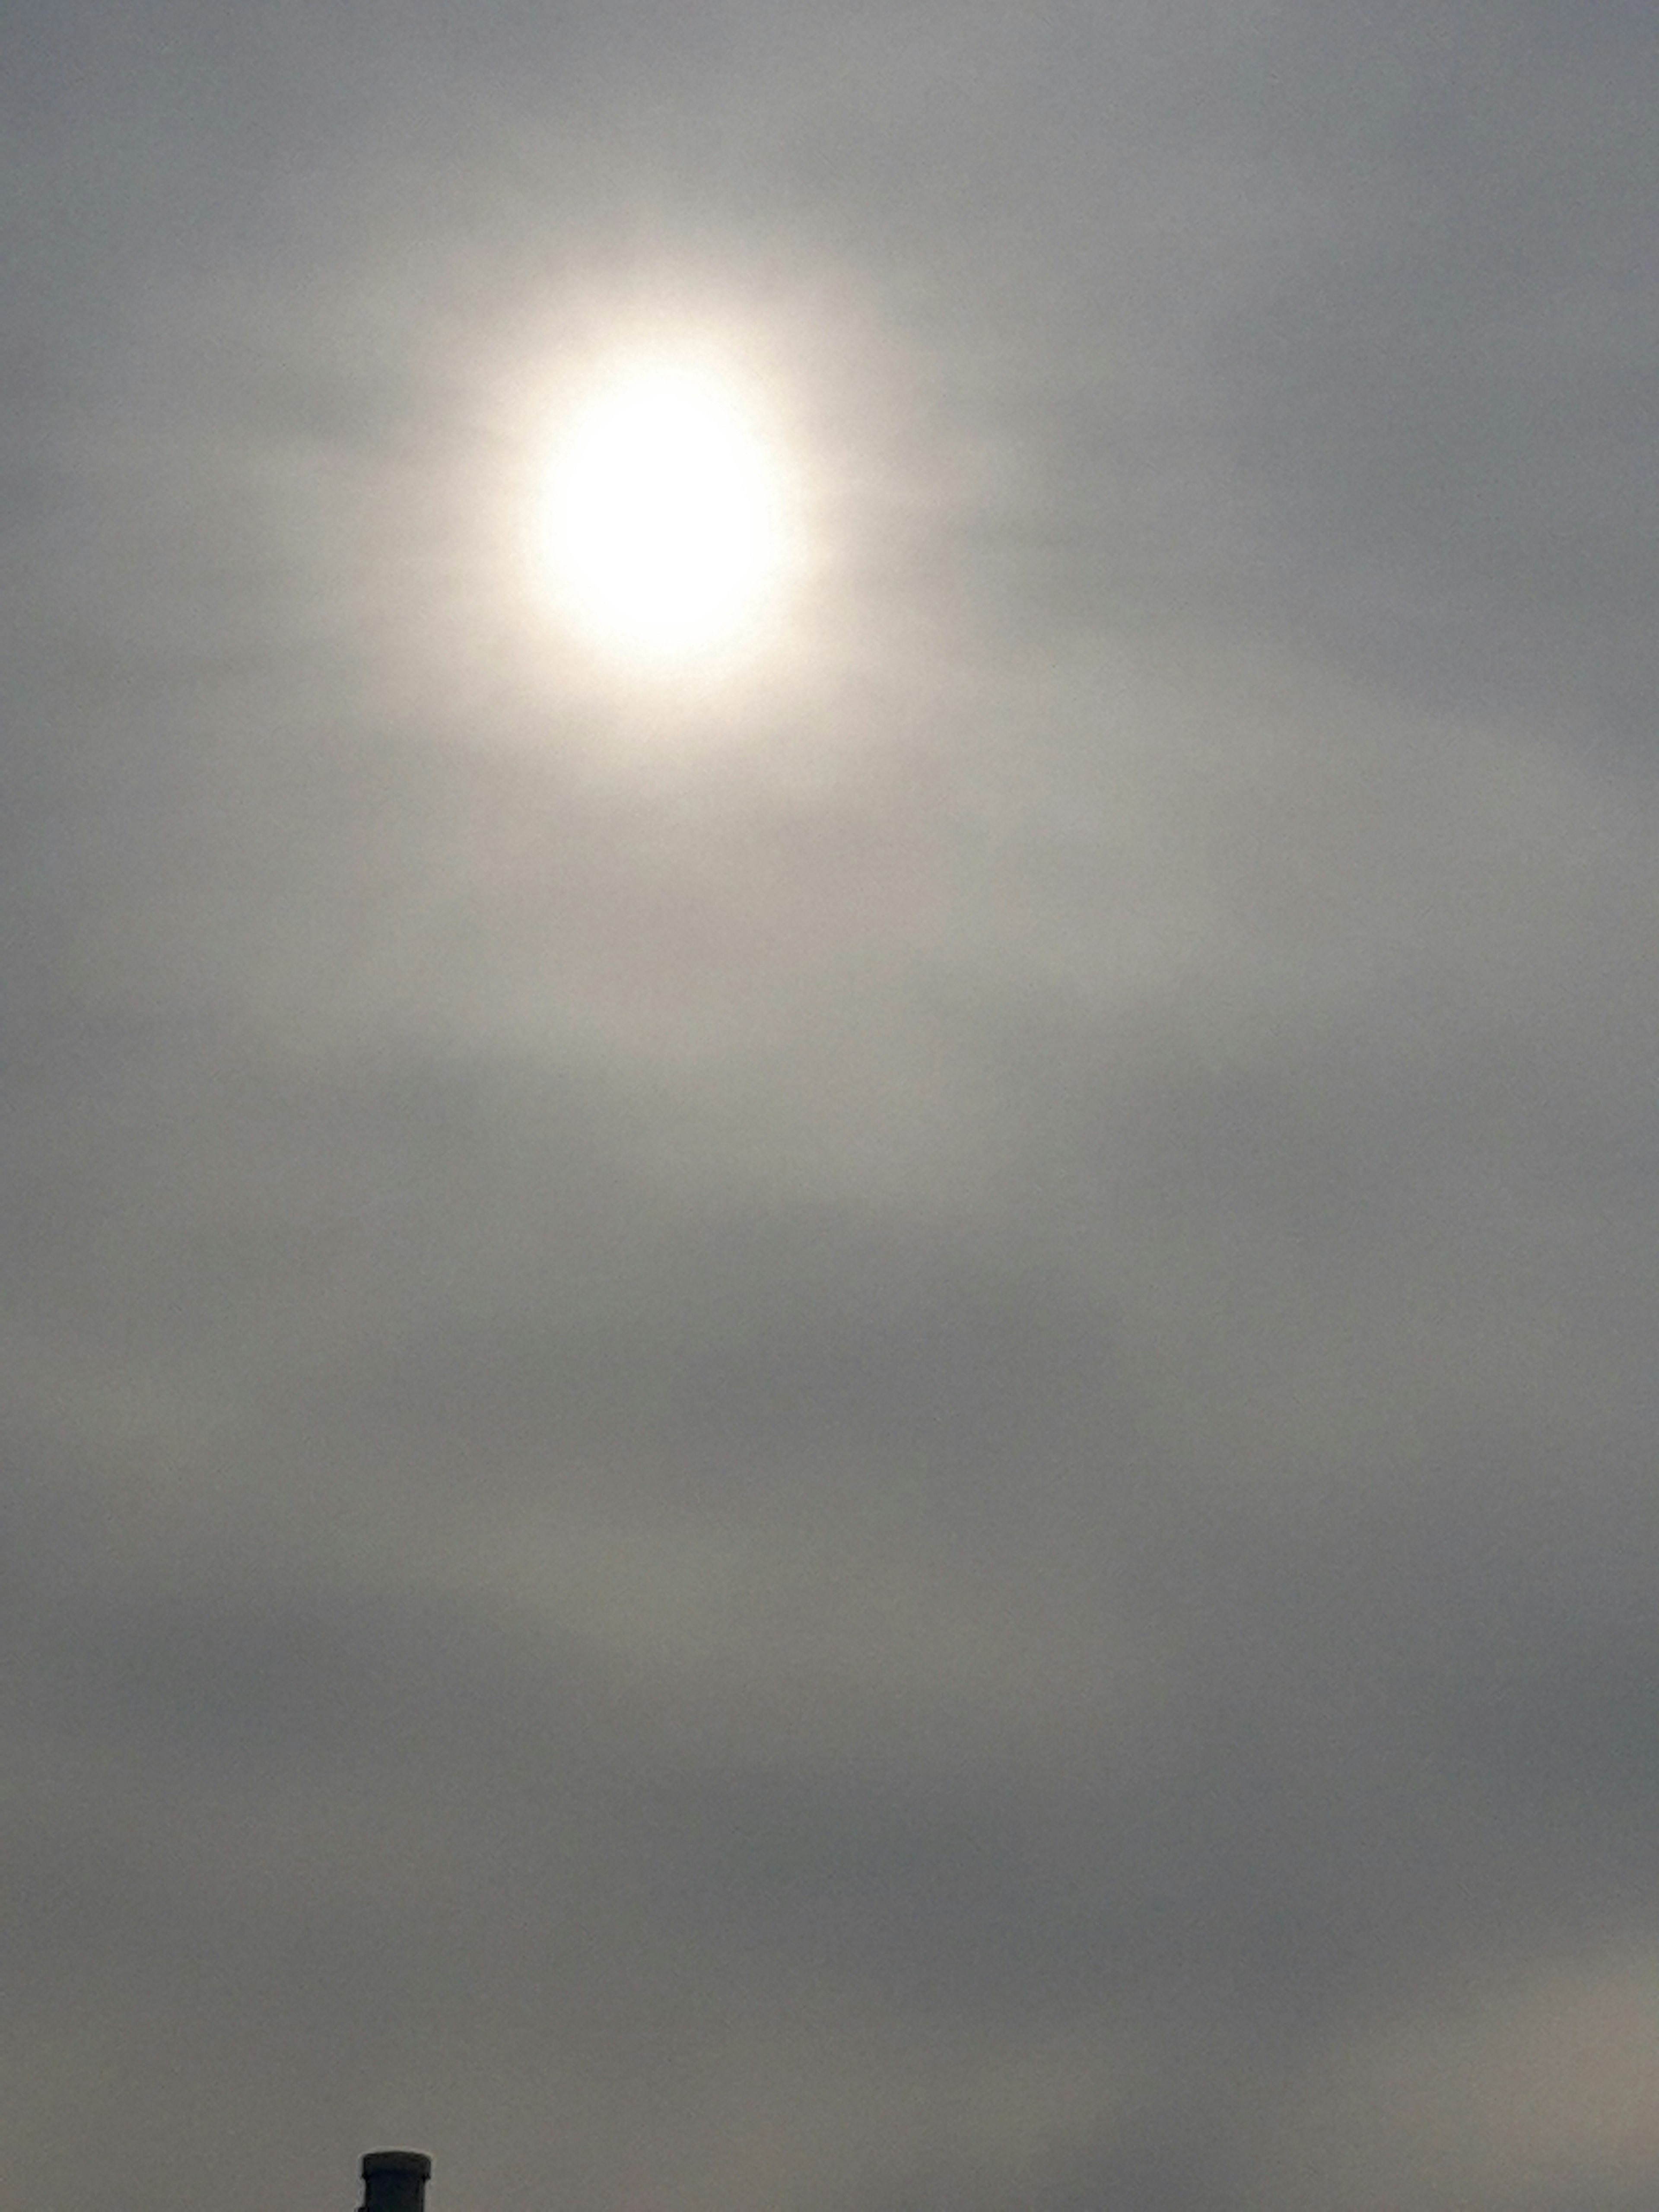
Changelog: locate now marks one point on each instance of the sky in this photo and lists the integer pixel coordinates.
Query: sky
(871, 1432)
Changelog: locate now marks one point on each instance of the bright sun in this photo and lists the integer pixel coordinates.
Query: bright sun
(666, 526)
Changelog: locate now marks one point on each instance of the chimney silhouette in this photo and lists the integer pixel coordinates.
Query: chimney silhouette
(395, 2180)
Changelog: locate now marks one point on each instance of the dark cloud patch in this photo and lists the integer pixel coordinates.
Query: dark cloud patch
(1441, 394)
(1580, 1725)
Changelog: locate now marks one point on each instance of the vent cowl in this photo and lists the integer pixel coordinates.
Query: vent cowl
(395, 2180)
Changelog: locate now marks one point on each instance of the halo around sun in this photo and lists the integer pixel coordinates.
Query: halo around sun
(665, 526)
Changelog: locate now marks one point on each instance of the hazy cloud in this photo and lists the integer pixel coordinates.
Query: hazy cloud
(885, 1440)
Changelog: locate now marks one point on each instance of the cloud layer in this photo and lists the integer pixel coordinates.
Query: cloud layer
(886, 1442)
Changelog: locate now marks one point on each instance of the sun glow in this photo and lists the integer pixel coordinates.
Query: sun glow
(666, 526)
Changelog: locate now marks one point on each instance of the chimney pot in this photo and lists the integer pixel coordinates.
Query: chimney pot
(395, 2180)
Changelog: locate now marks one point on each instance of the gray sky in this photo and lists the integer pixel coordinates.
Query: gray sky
(881, 1441)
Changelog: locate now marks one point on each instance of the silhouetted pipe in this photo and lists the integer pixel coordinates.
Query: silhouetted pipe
(395, 2180)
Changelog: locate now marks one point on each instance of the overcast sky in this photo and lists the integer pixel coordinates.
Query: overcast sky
(880, 1438)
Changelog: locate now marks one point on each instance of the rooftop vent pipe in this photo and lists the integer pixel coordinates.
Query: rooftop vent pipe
(395, 2180)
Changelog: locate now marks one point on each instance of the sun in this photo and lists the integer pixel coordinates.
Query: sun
(665, 526)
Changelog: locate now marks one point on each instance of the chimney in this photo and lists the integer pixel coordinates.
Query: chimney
(395, 2180)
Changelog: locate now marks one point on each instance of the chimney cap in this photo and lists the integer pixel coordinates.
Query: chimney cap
(397, 2161)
